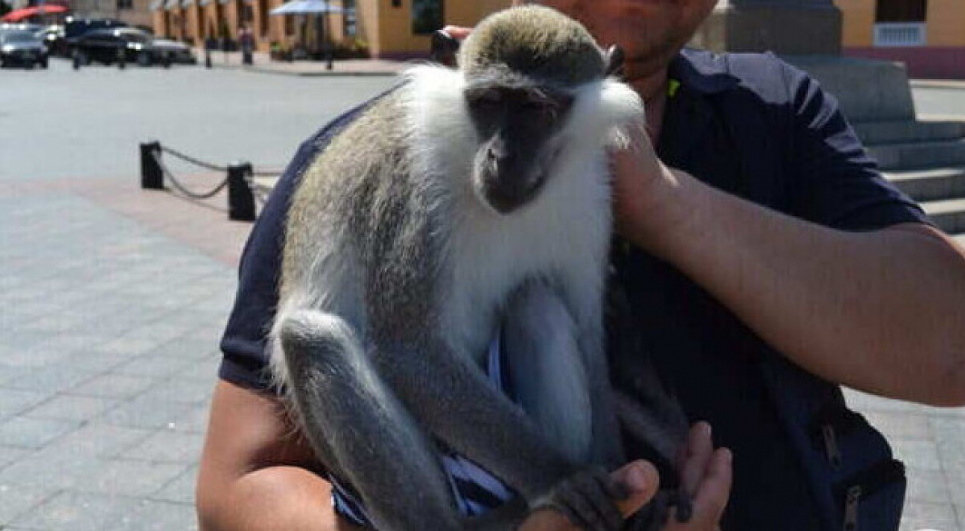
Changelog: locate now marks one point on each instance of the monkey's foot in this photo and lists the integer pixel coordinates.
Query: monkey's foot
(588, 499)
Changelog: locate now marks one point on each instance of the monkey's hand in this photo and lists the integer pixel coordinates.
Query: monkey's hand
(594, 500)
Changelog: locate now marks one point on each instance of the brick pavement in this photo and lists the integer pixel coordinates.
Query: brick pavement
(112, 302)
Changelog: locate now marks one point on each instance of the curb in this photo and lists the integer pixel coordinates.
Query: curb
(938, 83)
(333, 73)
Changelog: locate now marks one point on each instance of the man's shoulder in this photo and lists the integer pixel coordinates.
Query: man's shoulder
(763, 74)
(309, 150)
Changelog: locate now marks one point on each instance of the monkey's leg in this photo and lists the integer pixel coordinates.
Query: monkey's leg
(449, 395)
(549, 379)
(545, 368)
(356, 423)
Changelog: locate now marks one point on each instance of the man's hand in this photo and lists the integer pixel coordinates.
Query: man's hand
(457, 32)
(706, 475)
(640, 478)
(639, 178)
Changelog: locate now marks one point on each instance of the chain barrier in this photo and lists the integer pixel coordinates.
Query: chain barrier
(192, 160)
(244, 191)
(181, 188)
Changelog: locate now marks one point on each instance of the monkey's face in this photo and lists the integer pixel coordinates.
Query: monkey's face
(518, 129)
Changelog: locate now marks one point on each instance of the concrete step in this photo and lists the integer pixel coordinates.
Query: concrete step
(913, 155)
(930, 185)
(879, 133)
(948, 214)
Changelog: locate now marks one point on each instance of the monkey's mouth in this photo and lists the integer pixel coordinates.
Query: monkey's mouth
(506, 194)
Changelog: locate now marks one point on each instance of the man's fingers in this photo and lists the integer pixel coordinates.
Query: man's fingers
(714, 490)
(711, 498)
(700, 447)
(457, 32)
(641, 481)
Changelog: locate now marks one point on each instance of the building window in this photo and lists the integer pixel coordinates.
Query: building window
(901, 10)
(427, 16)
(263, 18)
(349, 17)
(125, 4)
(901, 23)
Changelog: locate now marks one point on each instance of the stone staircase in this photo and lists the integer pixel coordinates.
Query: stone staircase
(926, 159)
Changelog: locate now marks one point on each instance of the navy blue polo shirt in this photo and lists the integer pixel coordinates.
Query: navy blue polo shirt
(747, 124)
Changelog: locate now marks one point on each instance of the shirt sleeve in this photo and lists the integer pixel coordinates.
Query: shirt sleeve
(834, 182)
(243, 344)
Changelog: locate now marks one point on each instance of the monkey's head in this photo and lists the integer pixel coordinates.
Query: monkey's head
(530, 102)
(525, 70)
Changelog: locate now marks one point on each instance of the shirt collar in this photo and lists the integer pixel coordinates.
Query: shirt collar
(702, 71)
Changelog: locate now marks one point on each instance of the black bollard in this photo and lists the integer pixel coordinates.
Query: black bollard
(241, 202)
(152, 178)
(207, 58)
(76, 60)
(121, 59)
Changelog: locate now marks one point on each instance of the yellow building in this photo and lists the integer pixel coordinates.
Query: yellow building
(396, 29)
(927, 35)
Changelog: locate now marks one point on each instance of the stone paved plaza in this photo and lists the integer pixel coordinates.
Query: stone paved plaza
(112, 300)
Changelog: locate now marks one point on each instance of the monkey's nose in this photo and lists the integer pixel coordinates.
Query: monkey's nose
(499, 156)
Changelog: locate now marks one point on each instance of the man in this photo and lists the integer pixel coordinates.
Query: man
(770, 247)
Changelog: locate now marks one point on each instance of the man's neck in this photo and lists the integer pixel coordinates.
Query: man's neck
(653, 89)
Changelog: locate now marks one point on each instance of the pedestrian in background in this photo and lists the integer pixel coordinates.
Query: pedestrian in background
(246, 39)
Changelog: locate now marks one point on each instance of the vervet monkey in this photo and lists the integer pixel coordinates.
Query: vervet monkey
(463, 203)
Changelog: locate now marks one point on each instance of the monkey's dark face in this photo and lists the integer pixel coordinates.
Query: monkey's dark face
(519, 129)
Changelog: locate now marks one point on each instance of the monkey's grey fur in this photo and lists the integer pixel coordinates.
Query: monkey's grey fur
(399, 267)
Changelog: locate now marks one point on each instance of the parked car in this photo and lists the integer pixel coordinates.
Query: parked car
(54, 38)
(133, 45)
(22, 47)
(19, 26)
(75, 27)
(176, 52)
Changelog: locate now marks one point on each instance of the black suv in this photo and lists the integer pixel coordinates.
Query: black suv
(108, 46)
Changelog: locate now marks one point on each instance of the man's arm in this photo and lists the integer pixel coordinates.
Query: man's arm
(880, 311)
(256, 474)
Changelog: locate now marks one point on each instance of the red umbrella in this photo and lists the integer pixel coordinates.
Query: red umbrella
(18, 15)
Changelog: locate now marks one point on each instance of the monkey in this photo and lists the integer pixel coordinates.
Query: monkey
(465, 204)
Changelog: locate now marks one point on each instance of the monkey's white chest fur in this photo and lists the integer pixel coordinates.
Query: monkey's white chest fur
(561, 236)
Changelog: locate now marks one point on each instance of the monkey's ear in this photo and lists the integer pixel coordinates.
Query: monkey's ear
(614, 61)
(444, 48)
